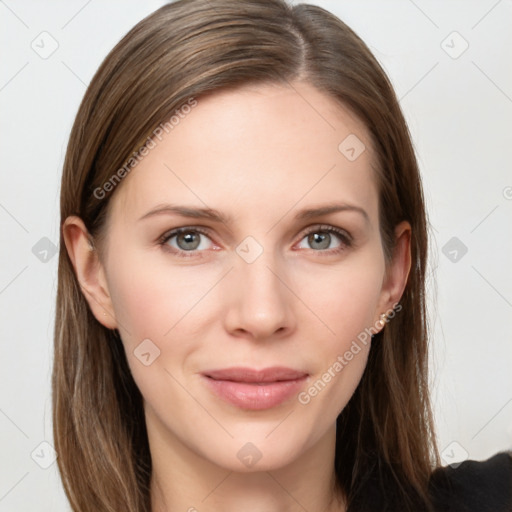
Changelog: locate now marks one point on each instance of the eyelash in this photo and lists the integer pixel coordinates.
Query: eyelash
(344, 237)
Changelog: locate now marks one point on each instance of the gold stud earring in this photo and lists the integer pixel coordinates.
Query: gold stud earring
(383, 319)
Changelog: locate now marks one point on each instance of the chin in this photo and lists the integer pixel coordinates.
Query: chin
(254, 453)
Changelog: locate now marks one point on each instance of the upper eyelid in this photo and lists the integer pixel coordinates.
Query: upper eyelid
(330, 229)
(325, 227)
(183, 229)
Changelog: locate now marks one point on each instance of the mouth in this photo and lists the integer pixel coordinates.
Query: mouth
(251, 389)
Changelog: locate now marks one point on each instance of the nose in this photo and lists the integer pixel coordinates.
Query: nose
(260, 305)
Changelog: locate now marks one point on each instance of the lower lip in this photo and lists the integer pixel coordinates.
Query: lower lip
(255, 397)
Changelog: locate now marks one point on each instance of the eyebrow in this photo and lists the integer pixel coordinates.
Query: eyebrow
(216, 216)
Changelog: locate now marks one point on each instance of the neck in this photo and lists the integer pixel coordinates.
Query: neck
(182, 480)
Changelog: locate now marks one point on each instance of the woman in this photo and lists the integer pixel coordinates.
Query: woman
(241, 312)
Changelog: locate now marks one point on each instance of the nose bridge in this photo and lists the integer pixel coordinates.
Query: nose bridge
(260, 278)
(262, 302)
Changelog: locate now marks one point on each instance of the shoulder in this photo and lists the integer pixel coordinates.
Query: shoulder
(474, 486)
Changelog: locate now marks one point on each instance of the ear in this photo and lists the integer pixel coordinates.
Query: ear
(88, 270)
(397, 271)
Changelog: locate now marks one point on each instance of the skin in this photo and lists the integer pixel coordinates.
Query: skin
(260, 154)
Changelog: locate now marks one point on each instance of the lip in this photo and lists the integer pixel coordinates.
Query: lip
(253, 389)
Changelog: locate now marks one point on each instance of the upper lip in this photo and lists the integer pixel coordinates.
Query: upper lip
(241, 374)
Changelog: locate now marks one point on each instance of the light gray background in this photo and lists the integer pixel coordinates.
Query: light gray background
(459, 109)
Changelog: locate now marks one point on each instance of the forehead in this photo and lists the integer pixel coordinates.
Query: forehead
(269, 146)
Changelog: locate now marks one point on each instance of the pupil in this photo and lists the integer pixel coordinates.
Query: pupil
(188, 241)
(319, 241)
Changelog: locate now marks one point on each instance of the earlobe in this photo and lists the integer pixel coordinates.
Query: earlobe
(88, 270)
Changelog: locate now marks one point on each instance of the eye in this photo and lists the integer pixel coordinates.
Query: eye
(325, 239)
(186, 239)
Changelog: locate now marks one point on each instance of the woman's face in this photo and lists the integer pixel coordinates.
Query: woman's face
(246, 331)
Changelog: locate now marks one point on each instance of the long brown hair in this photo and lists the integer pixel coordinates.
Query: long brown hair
(187, 49)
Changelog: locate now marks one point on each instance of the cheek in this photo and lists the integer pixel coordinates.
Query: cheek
(174, 308)
(346, 306)
(344, 299)
(155, 301)
(171, 307)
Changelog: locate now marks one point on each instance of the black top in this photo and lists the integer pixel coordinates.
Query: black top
(474, 486)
